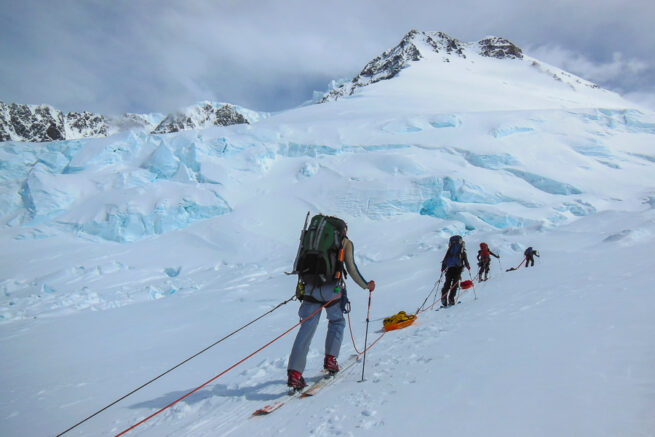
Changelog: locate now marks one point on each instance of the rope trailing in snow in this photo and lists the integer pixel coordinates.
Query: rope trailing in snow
(517, 267)
(353, 338)
(178, 365)
(229, 368)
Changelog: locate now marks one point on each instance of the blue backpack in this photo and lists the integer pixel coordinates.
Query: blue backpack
(528, 251)
(455, 249)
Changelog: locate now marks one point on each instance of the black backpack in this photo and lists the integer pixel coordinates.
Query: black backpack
(320, 255)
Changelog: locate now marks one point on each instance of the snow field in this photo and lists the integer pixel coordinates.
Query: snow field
(124, 255)
(541, 351)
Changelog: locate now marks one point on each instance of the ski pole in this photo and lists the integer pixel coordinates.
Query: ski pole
(368, 313)
(436, 292)
(474, 293)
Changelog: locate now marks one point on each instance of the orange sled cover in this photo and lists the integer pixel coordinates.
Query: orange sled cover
(398, 321)
(466, 284)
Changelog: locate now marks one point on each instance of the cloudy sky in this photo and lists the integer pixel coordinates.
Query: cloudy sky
(113, 56)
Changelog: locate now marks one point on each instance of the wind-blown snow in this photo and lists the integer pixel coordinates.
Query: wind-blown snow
(124, 255)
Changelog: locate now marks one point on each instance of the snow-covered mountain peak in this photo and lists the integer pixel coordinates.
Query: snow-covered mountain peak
(490, 74)
(412, 48)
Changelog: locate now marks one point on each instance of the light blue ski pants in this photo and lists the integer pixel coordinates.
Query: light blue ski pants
(336, 324)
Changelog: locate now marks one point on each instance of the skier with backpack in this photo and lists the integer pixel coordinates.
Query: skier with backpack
(484, 260)
(530, 253)
(453, 263)
(324, 257)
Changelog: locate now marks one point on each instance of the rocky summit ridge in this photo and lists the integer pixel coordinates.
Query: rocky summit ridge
(204, 114)
(42, 123)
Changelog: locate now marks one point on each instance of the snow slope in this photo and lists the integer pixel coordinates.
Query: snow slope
(441, 73)
(122, 256)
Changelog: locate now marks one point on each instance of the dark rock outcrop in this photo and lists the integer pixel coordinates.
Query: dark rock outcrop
(30, 122)
(40, 123)
(203, 115)
(500, 48)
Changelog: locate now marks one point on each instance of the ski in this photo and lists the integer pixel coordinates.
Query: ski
(308, 391)
(446, 307)
(329, 379)
(268, 409)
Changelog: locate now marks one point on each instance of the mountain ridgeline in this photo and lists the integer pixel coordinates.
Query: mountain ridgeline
(41, 123)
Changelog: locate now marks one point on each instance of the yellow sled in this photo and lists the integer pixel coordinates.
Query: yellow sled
(398, 321)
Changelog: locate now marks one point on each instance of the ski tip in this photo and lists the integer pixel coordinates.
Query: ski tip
(261, 412)
(268, 409)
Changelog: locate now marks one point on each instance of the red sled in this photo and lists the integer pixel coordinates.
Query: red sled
(466, 284)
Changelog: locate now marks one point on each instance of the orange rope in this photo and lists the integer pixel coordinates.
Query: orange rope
(353, 338)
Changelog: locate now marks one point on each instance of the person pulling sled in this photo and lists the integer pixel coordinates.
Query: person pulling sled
(325, 256)
(484, 260)
(453, 263)
(530, 253)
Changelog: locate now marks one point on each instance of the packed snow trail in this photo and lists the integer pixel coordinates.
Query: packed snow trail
(311, 390)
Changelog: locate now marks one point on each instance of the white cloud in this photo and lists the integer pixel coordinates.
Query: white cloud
(645, 99)
(614, 70)
(158, 55)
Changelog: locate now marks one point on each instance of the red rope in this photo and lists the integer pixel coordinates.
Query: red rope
(428, 308)
(517, 267)
(228, 369)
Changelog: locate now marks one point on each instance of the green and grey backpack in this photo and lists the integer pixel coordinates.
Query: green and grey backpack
(320, 258)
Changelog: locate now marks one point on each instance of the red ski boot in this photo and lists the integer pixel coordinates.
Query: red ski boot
(295, 380)
(330, 364)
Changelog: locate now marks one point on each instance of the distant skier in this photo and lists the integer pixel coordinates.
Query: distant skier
(530, 253)
(484, 260)
(324, 255)
(453, 263)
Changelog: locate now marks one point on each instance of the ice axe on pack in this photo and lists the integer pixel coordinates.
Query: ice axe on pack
(302, 236)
